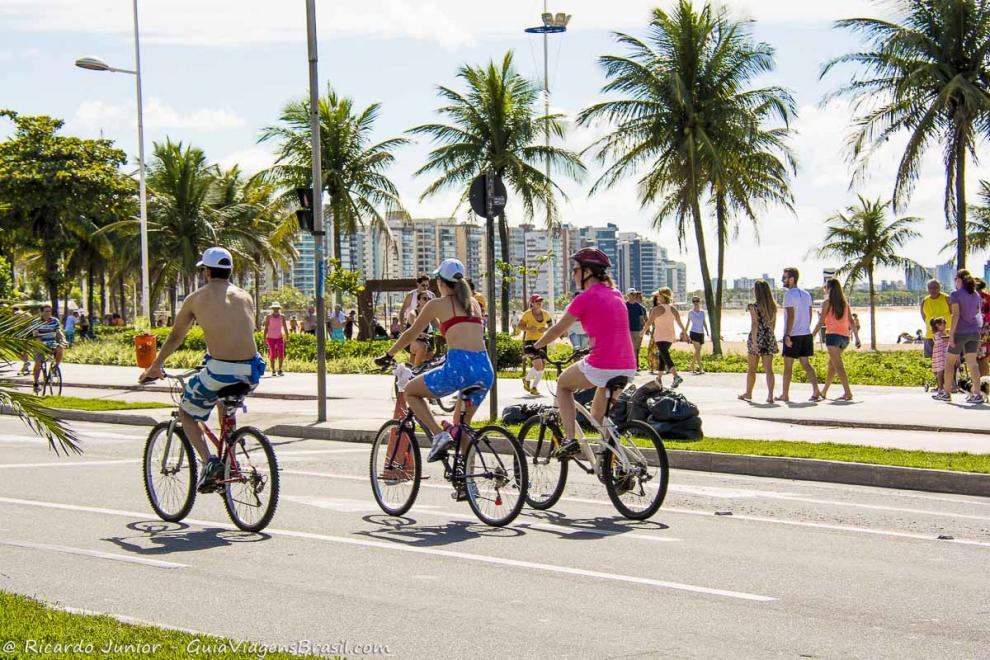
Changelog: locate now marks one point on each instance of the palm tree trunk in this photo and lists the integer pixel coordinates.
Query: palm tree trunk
(90, 294)
(873, 310)
(503, 234)
(103, 297)
(51, 277)
(123, 297)
(715, 314)
(257, 298)
(960, 156)
(699, 234)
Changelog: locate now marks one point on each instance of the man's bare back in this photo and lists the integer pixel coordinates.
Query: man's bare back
(226, 314)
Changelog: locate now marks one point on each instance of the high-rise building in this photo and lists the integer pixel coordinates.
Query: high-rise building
(677, 279)
(946, 274)
(916, 277)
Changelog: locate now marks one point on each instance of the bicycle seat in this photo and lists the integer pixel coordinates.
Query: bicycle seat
(617, 383)
(468, 391)
(234, 390)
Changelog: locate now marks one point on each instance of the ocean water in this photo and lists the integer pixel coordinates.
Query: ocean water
(891, 322)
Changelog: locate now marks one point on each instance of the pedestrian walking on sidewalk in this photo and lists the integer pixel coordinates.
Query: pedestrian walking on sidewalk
(761, 345)
(836, 318)
(799, 343)
(697, 329)
(637, 320)
(964, 337)
(661, 321)
(276, 330)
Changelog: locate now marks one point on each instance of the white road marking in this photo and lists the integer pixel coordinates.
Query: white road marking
(363, 506)
(64, 463)
(314, 452)
(82, 552)
(383, 545)
(692, 512)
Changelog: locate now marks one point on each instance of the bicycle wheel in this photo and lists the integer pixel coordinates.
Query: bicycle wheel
(250, 479)
(395, 468)
(637, 491)
(547, 475)
(55, 380)
(447, 405)
(495, 476)
(169, 472)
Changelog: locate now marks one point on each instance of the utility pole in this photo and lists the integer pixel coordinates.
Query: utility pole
(318, 232)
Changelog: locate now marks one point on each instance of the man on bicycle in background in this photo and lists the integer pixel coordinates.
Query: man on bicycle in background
(226, 314)
(48, 331)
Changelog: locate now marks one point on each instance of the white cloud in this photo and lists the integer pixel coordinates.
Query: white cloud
(450, 23)
(93, 115)
(251, 160)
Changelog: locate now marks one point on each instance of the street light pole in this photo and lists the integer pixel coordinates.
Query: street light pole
(96, 64)
(142, 190)
(318, 232)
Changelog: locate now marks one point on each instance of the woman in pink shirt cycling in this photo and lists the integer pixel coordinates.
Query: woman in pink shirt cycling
(601, 309)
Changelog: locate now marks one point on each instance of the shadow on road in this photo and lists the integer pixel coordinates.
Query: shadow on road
(406, 531)
(581, 529)
(162, 538)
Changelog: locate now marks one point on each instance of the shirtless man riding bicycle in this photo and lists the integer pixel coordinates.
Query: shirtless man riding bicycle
(226, 314)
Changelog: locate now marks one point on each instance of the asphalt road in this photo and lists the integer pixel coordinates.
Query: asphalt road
(797, 570)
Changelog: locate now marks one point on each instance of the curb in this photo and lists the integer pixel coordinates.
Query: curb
(801, 469)
(881, 426)
(94, 416)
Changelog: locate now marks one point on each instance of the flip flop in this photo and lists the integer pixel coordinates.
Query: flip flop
(743, 397)
(815, 398)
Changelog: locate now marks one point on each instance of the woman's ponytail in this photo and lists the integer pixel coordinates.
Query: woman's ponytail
(462, 291)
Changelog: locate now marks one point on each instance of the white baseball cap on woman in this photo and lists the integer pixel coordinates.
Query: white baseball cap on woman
(450, 270)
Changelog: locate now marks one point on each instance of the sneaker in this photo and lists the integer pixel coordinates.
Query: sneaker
(212, 470)
(526, 386)
(677, 381)
(534, 391)
(461, 491)
(942, 396)
(567, 449)
(37, 388)
(974, 398)
(441, 443)
(26, 369)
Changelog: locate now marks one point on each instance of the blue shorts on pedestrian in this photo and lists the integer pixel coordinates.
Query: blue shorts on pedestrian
(837, 340)
(462, 369)
(200, 395)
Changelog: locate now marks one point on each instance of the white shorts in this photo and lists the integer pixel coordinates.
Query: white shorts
(600, 377)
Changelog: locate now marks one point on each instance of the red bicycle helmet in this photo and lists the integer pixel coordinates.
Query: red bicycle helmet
(592, 257)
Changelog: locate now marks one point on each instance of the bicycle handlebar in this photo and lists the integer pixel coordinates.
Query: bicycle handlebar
(560, 364)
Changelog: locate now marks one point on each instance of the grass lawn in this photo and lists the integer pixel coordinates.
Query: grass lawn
(830, 451)
(26, 621)
(82, 403)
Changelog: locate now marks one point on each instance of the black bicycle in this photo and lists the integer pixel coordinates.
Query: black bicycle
(629, 459)
(446, 405)
(50, 376)
(488, 468)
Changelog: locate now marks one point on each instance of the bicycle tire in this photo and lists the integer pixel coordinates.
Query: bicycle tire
(545, 488)
(383, 460)
(55, 381)
(618, 484)
(254, 478)
(486, 468)
(154, 493)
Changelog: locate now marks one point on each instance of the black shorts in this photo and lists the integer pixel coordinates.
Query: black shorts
(697, 337)
(663, 355)
(801, 346)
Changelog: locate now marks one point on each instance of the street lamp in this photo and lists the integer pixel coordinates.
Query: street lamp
(552, 24)
(96, 64)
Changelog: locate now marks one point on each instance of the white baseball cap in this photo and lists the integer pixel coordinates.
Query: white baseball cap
(216, 257)
(631, 290)
(450, 270)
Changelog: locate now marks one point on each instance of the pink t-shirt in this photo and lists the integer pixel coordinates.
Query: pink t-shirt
(602, 312)
(274, 326)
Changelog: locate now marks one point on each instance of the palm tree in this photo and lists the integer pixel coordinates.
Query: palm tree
(929, 76)
(865, 239)
(690, 118)
(977, 228)
(15, 341)
(494, 124)
(354, 168)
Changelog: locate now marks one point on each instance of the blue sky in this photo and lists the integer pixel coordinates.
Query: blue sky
(216, 72)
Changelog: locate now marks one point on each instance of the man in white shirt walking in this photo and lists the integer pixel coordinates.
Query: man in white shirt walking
(798, 341)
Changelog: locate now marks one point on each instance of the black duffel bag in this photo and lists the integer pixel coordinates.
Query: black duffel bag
(687, 429)
(671, 407)
(520, 413)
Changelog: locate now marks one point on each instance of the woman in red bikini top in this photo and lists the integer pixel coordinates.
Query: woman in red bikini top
(467, 363)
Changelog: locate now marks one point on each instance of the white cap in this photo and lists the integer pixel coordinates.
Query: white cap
(276, 305)
(450, 270)
(631, 290)
(216, 257)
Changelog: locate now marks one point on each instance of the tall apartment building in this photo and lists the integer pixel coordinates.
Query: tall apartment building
(946, 274)
(916, 277)
(639, 263)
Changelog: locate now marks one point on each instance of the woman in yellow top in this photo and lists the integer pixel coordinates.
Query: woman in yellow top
(533, 323)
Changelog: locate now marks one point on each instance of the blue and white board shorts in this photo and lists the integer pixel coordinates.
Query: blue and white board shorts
(200, 395)
(462, 369)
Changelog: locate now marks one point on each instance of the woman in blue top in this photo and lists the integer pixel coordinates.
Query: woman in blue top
(964, 337)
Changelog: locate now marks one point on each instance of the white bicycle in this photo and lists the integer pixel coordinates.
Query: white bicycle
(628, 458)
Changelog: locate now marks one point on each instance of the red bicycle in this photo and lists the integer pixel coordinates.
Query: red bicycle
(250, 483)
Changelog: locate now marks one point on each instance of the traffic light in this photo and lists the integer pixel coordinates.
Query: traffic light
(305, 214)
